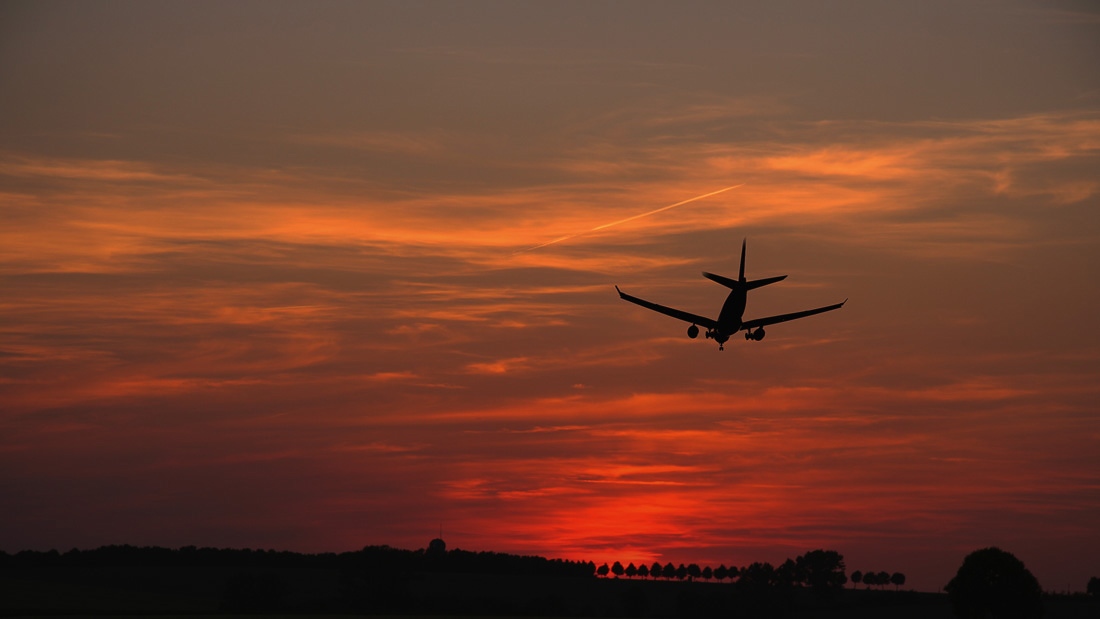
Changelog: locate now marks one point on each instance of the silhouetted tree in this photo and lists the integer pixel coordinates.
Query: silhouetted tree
(708, 573)
(694, 571)
(655, 570)
(857, 577)
(668, 571)
(681, 572)
(823, 571)
(1093, 588)
(870, 578)
(643, 570)
(631, 570)
(758, 575)
(994, 583)
(882, 579)
(897, 579)
(617, 569)
(603, 570)
(721, 573)
(786, 575)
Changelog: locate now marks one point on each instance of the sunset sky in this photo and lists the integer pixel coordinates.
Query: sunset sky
(266, 279)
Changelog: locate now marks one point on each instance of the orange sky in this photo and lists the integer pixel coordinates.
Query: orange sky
(264, 279)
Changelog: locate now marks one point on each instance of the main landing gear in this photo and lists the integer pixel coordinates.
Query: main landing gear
(717, 337)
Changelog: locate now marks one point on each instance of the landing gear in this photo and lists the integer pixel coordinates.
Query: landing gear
(755, 335)
(721, 338)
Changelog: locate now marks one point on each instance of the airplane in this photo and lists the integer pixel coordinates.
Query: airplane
(729, 319)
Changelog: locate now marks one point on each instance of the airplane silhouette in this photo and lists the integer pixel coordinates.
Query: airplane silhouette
(729, 319)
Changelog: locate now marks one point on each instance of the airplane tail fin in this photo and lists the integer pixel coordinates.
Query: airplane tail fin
(741, 283)
(741, 273)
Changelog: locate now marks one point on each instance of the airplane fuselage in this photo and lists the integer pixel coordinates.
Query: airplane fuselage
(729, 319)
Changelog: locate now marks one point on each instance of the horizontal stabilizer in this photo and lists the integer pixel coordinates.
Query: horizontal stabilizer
(756, 283)
(725, 281)
(733, 284)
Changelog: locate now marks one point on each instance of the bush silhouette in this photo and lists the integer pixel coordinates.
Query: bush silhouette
(994, 583)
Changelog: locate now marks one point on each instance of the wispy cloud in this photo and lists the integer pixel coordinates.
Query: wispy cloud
(341, 324)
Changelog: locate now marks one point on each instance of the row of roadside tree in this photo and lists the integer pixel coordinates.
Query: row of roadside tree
(880, 579)
(821, 570)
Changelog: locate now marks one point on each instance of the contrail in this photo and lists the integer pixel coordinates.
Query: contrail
(623, 221)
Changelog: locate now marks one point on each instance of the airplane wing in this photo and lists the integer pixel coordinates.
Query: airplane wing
(771, 320)
(695, 319)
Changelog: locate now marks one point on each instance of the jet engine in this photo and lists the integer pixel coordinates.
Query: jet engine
(693, 332)
(758, 334)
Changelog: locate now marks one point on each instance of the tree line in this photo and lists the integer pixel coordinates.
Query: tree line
(821, 570)
(371, 559)
(881, 579)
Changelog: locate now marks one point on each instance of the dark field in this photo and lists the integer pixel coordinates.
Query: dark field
(197, 591)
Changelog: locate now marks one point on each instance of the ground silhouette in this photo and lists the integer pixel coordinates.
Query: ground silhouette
(381, 580)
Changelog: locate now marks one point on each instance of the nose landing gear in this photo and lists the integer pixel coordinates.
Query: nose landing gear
(717, 337)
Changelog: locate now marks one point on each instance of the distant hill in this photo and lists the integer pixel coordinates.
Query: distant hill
(371, 558)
